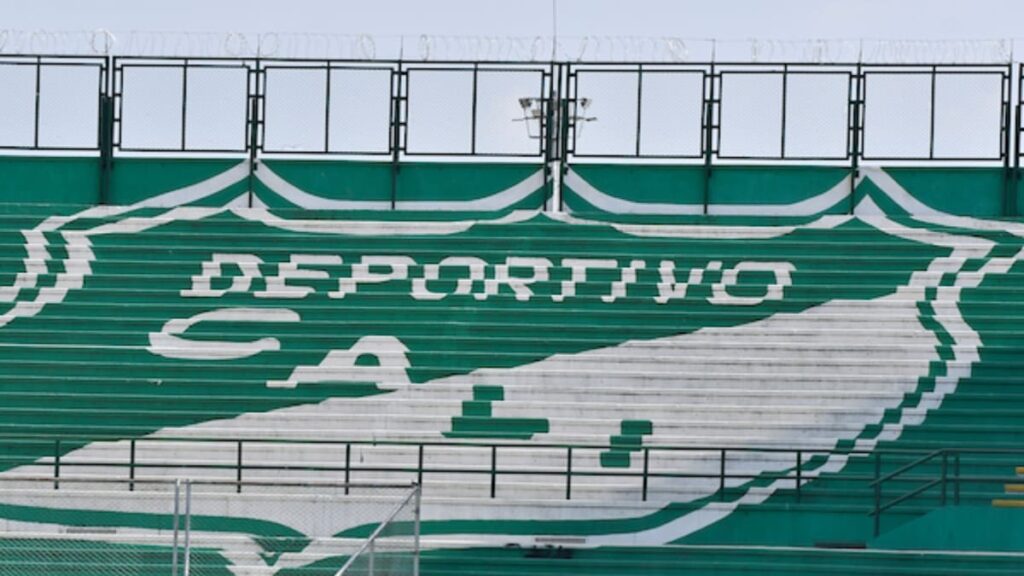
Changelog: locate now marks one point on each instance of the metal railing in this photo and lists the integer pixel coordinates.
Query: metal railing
(948, 479)
(797, 112)
(546, 113)
(641, 471)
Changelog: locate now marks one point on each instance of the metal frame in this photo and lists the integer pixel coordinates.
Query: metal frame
(559, 118)
(934, 71)
(120, 63)
(784, 71)
(544, 75)
(950, 465)
(573, 97)
(418, 471)
(39, 62)
(558, 88)
(327, 66)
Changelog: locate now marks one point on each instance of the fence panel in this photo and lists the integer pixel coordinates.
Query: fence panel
(750, 115)
(50, 104)
(817, 115)
(294, 111)
(671, 113)
(440, 111)
(359, 110)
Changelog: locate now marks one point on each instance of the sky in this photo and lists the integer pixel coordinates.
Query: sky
(792, 19)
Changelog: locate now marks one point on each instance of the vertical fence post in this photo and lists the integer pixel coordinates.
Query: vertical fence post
(563, 142)
(348, 465)
(106, 131)
(647, 457)
(799, 473)
(419, 466)
(547, 134)
(396, 132)
(188, 527)
(1015, 170)
(956, 478)
(254, 128)
(131, 466)
(494, 470)
(721, 475)
(1009, 193)
(56, 464)
(238, 469)
(416, 532)
(568, 474)
(709, 128)
(856, 103)
(35, 126)
(174, 547)
(878, 493)
(945, 468)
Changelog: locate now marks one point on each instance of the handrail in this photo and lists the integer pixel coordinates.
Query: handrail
(905, 468)
(946, 477)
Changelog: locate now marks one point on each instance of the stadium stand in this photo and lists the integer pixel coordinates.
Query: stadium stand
(611, 368)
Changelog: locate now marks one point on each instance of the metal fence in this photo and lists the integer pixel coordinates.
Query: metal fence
(484, 469)
(713, 112)
(196, 527)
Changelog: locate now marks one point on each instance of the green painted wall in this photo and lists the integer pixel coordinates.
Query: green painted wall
(330, 180)
(772, 184)
(50, 180)
(325, 181)
(965, 191)
(642, 184)
(136, 179)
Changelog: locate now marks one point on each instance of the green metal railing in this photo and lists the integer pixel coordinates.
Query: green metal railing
(949, 480)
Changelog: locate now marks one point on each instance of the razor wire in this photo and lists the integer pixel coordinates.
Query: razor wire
(435, 47)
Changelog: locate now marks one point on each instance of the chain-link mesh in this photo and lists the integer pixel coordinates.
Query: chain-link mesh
(206, 528)
(393, 547)
(88, 529)
(312, 529)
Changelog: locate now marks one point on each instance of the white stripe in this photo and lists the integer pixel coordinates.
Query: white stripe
(807, 207)
(197, 191)
(497, 201)
(303, 199)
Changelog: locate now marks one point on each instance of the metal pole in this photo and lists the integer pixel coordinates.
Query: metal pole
(396, 135)
(878, 493)
(858, 82)
(131, 466)
(799, 472)
(419, 466)
(238, 469)
(945, 468)
(956, 482)
(721, 476)
(370, 557)
(568, 474)
(56, 464)
(188, 526)
(647, 457)
(348, 465)
(174, 548)
(709, 124)
(416, 532)
(254, 130)
(494, 470)
(106, 133)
